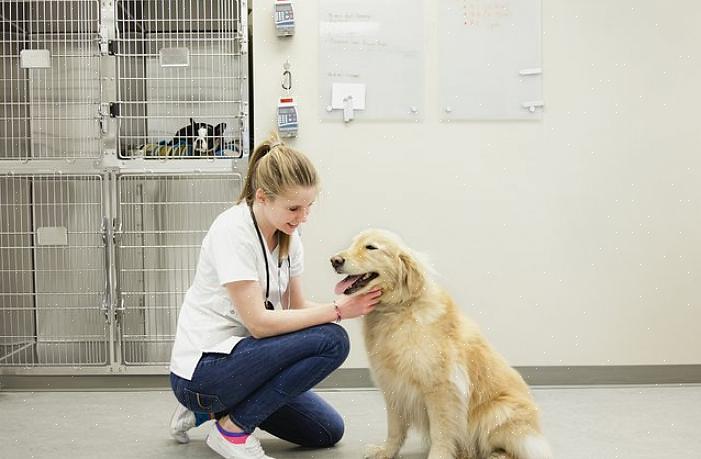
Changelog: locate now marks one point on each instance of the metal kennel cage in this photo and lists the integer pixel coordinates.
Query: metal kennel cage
(50, 70)
(52, 271)
(99, 241)
(161, 223)
(177, 63)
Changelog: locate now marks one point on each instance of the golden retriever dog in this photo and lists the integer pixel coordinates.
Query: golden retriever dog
(436, 370)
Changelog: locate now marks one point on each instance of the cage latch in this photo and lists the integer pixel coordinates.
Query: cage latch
(107, 47)
(116, 239)
(114, 109)
(104, 43)
(116, 230)
(105, 308)
(119, 309)
(105, 230)
(104, 112)
(101, 117)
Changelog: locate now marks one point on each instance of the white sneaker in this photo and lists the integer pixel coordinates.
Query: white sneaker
(249, 450)
(181, 421)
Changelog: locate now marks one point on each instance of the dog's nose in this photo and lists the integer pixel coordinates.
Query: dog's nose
(337, 262)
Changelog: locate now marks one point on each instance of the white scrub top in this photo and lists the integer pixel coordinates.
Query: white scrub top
(231, 251)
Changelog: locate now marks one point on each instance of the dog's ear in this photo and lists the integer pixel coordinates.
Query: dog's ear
(413, 275)
(219, 129)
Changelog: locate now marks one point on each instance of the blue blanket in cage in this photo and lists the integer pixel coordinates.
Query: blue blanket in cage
(162, 149)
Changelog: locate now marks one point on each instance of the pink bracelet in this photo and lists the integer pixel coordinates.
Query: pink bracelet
(338, 312)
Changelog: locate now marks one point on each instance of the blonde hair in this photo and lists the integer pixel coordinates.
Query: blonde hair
(276, 168)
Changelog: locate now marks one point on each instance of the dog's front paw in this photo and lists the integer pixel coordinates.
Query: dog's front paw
(377, 452)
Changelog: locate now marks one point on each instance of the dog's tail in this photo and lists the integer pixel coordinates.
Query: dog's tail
(529, 446)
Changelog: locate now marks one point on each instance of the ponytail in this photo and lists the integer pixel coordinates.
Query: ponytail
(248, 192)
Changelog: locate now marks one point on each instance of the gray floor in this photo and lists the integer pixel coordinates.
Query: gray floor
(593, 422)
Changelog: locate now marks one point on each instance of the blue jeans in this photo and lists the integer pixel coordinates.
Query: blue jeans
(266, 383)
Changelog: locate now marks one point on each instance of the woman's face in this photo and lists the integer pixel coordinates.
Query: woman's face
(290, 209)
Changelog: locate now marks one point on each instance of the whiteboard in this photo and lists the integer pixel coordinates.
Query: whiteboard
(483, 47)
(379, 44)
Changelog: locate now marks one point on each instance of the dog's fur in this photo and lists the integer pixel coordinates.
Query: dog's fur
(436, 370)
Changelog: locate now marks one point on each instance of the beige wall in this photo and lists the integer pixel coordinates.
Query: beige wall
(573, 240)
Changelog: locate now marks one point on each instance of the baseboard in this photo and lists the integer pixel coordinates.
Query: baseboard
(359, 378)
(618, 374)
(558, 376)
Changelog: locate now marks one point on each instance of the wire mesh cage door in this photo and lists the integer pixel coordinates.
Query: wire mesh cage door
(183, 78)
(50, 93)
(162, 220)
(53, 291)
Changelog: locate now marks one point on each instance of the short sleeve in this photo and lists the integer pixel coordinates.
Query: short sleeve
(233, 255)
(296, 255)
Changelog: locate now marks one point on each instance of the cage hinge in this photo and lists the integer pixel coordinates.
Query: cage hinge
(116, 230)
(101, 116)
(104, 228)
(112, 47)
(114, 109)
(118, 310)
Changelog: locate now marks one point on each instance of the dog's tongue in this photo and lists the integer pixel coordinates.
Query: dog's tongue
(344, 284)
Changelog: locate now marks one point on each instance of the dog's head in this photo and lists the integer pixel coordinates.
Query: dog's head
(379, 259)
(206, 138)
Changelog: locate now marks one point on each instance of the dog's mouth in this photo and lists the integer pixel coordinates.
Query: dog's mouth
(353, 283)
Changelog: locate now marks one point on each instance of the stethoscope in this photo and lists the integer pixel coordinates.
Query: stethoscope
(268, 304)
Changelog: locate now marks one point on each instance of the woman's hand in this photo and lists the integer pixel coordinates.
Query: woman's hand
(358, 305)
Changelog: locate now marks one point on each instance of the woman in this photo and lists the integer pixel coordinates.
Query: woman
(238, 356)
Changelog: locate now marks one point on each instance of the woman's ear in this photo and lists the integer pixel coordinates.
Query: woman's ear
(261, 197)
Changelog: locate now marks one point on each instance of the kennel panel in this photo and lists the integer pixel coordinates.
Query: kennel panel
(50, 94)
(17, 325)
(52, 271)
(162, 221)
(179, 60)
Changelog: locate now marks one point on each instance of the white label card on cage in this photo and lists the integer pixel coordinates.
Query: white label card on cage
(35, 59)
(341, 92)
(175, 57)
(52, 235)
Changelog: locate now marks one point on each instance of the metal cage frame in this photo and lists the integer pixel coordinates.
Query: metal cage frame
(88, 288)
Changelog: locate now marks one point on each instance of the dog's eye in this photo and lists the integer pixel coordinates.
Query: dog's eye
(370, 247)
